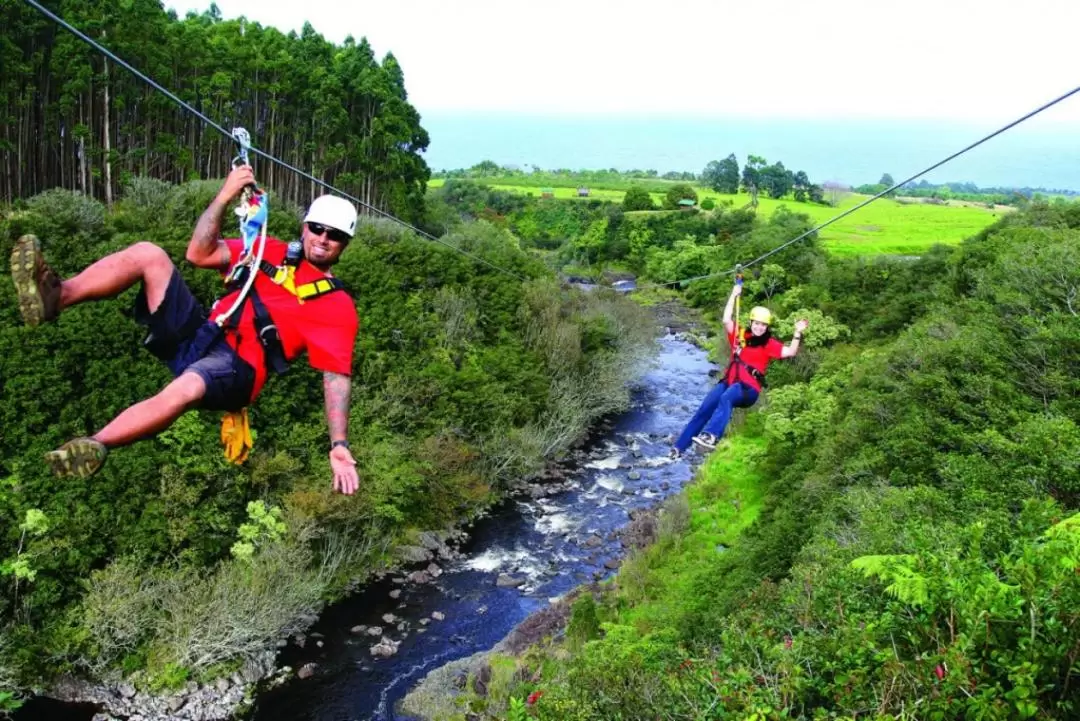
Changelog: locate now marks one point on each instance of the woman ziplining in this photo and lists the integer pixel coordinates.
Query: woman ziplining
(751, 351)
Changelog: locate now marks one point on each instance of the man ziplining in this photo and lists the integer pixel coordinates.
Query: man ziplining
(220, 360)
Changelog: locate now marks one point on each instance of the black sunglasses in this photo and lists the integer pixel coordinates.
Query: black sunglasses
(338, 236)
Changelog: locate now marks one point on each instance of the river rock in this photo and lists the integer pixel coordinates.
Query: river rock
(424, 621)
(176, 703)
(433, 570)
(306, 671)
(126, 690)
(505, 580)
(389, 618)
(593, 541)
(432, 541)
(664, 485)
(358, 630)
(222, 685)
(634, 475)
(375, 631)
(396, 593)
(438, 615)
(384, 648)
(612, 563)
(419, 577)
(413, 554)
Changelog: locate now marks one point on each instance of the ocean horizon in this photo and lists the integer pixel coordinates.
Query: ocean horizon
(1037, 153)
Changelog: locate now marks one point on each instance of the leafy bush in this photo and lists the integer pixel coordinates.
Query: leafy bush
(637, 198)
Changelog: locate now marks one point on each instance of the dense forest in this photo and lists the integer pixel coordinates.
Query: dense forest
(73, 119)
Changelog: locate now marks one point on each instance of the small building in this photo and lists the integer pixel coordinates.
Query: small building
(547, 192)
(686, 204)
(583, 192)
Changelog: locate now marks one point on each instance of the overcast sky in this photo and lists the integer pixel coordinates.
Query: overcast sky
(985, 61)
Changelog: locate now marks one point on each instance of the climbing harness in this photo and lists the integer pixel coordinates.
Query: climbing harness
(253, 213)
(739, 342)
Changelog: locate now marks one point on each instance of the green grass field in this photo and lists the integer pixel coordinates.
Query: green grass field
(883, 227)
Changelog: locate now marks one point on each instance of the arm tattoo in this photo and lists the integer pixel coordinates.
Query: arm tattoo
(207, 236)
(336, 387)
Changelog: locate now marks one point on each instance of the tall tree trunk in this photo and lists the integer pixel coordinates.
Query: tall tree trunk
(82, 147)
(108, 142)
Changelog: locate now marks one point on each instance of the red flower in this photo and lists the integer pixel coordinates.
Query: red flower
(939, 672)
(787, 642)
(533, 698)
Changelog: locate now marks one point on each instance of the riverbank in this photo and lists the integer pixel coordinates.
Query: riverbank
(523, 558)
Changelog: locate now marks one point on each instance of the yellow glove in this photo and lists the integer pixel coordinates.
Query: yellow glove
(236, 436)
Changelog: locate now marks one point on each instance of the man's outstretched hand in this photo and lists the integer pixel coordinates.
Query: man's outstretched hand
(343, 465)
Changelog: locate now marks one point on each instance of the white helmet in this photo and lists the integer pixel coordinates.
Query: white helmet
(334, 212)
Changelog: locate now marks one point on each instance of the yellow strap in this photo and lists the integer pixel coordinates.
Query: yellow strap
(236, 436)
(314, 288)
(286, 278)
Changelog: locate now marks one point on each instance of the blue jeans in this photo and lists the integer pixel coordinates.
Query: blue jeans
(713, 414)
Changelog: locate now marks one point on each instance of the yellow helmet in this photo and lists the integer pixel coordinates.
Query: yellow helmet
(761, 314)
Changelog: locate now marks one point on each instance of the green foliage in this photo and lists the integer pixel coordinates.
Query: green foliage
(584, 624)
(265, 526)
(722, 176)
(637, 198)
(171, 560)
(677, 193)
(915, 542)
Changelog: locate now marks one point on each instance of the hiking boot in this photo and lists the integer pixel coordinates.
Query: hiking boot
(706, 441)
(36, 284)
(78, 458)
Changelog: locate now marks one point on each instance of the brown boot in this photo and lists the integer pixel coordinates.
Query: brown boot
(81, 458)
(36, 284)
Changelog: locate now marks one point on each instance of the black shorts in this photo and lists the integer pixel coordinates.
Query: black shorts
(186, 341)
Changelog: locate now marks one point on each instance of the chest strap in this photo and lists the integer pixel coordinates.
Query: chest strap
(265, 328)
(284, 275)
(738, 363)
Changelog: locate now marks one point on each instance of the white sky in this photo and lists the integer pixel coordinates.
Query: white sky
(987, 61)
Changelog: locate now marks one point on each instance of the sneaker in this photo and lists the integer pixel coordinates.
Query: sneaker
(36, 284)
(78, 458)
(706, 441)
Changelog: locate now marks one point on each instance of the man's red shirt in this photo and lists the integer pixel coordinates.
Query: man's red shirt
(325, 326)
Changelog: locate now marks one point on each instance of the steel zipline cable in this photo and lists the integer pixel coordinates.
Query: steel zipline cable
(186, 106)
(866, 202)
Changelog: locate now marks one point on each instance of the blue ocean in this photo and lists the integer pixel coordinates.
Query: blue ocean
(1041, 152)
